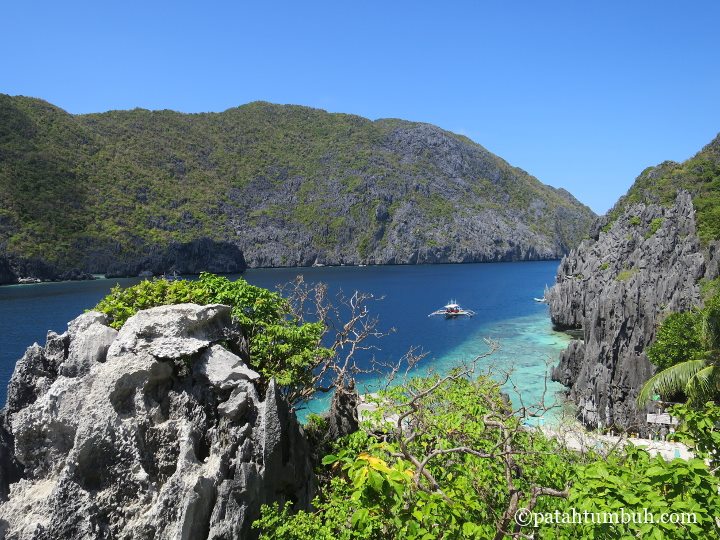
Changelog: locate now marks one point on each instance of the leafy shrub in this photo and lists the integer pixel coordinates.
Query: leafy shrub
(635, 221)
(626, 274)
(281, 346)
(678, 340)
(371, 492)
(655, 224)
(700, 430)
(636, 482)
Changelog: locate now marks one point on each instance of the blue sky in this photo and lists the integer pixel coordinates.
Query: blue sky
(584, 95)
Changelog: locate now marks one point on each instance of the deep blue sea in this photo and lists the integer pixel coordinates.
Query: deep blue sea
(501, 294)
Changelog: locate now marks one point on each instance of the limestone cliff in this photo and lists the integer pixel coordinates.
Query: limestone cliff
(158, 431)
(616, 287)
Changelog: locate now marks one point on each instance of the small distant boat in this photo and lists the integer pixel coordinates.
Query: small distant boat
(452, 310)
(543, 300)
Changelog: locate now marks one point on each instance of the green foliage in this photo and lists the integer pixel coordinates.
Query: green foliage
(316, 422)
(637, 483)
(281, 347)
(677, 340)
(700, 430)
(689, 349)
(371, 493)
(604, 266)
(626, 274)
(635, 221)
(710, 288)
(655, 225)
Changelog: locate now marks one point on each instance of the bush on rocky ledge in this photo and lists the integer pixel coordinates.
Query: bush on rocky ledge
(281, 346)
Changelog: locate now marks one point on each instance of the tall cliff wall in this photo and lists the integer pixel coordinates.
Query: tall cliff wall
(616, 287)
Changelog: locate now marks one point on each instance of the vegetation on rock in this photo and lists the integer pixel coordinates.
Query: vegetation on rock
(299, 338)
(700, 175)
(282, 346)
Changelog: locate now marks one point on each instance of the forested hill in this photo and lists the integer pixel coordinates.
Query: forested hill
(129, 191)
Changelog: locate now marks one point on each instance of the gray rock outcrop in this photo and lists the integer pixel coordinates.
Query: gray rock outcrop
(158, 431)
(616, 287)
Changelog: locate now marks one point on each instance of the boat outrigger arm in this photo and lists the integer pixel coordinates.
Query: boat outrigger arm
(452, 309)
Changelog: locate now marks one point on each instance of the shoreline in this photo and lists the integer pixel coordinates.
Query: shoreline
(25, 281)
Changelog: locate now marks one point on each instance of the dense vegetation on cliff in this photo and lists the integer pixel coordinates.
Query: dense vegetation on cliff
(281, 345)
(699, 175)
(289, 185)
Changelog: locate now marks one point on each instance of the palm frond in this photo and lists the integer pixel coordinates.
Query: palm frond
(710, 327)
(704, 385)
(671, 380)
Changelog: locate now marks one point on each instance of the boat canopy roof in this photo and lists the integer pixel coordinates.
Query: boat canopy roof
(452, 305)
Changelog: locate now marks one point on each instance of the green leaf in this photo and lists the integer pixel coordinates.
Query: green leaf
(330, 458)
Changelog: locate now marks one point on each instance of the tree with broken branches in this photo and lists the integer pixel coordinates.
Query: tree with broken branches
(349, 331)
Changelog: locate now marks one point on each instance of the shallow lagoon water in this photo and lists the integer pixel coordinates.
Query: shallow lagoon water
(501, 294)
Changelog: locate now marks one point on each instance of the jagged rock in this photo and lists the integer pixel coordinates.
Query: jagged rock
(90, 345)
(616, 288)
(570, 363)
(343, 414)
(9, 467)
(6, 273)
(236, 405)
(14, 269)
(174, 331)
(138, 446)
(222, 368)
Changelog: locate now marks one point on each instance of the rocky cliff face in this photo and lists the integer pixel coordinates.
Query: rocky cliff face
(157, 431)
(193, 257)
(443, 200)
(616, 287)
(6, 273)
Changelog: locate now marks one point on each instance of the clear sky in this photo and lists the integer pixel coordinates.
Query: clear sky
(582, 94)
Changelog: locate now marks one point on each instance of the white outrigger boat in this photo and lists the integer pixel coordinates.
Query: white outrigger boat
(452, 310)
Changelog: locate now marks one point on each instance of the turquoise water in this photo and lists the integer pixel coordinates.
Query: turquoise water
(501, 294)
(528, 349)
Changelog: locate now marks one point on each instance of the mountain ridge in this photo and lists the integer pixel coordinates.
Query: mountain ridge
(285, 185)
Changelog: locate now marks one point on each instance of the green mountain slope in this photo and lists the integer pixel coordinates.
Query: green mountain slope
(699, 175)
(287, 185)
